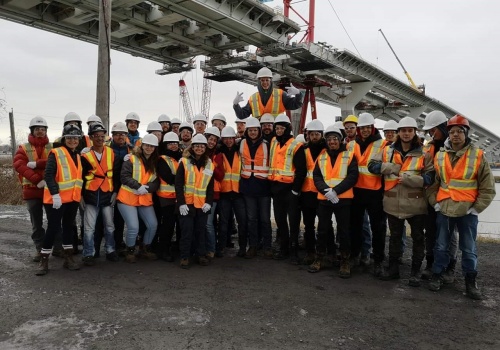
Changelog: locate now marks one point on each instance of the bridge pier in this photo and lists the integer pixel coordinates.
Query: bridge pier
(359, 90)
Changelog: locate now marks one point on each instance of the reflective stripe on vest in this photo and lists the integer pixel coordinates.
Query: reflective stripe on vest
(101, 175)
(166, 190)
(366, 179)
(429, 148)
(410, 165)
(68, 177)
(126, 194)
(281, 160)
(231, 180)
(308, 185)
(274, 104)
(458, 183)
(259, 165)
(33, 157)
(196, 182)
(333, 175)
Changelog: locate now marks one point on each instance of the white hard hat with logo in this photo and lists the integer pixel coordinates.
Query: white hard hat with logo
(132, 116)
(119, 127)
(38, 121)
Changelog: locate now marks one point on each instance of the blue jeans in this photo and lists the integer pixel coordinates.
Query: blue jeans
(467, 232)
(367, 236)
(227, 205)
(131, 216)
(258, 211)
(210, 230)
(90, 218)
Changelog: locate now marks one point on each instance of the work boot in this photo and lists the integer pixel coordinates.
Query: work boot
(281, 255)
(38, 256)
(309, 258)
(294, 256)
(88, 261)
(169, 257)
(345, 266)
(268, 253)
(414, 280)
(184, 264)
(43, 268)
(427, 273)
(251, 253)
(58, 253)
(392, 273)
(449, 273)
(378, 269)
(130, 256)
(146, 253)
(471, 289)
(210, 256)
(113, 257)
(436, 282)
(203, 261)
(316, 265)
(329, 260)
(365, 260)
(69, 262)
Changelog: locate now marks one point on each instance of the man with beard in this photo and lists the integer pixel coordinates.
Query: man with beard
(267, 125)
(185, 134)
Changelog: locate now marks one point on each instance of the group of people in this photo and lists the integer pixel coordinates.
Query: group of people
(193, 181)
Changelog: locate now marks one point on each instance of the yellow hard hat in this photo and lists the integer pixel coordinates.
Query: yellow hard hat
(351, 119)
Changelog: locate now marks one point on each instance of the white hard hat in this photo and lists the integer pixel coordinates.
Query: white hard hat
(175, 121)
(171, 137)
(241, 120)
(228, 131)
(94, 119)
(38, 121)
(282, 118)
(315, 125)
(252, 123)
(267, 118)
(154, 126)
(264, 73)
(339, 125)
(391, 125)
(433, 119)
(72, 117)
(407, 122)
(199, 138)
(163, 118)
(213, 130)
(186, 125)
(332, 129)
(199, 118)
(365, 119)
(119, 127)
(150, 139)
(219, 116)
(132, 116)
(300, 138)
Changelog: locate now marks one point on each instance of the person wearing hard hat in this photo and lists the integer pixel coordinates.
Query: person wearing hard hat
(268, 99)
(93, 119)
(29, 162)
(254, 186)
(185, 134)
(200, 123)
(156, 129)
(99, 194)
(334, 175)
(175, 123)
(167, 168)
(464, 187)
(164, 121)
(407, 171)
(350, 127)
(72, 118)
(132, 120)
(194, 189)
(309, 196)
(390, 131)
(61, 197)
(267, 125)
(340, 125)
(368, 192)
(240, 128)
(287, 171)
(135, 197)
(219, 121)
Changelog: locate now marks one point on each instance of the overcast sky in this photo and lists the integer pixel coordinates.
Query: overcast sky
(453, 47)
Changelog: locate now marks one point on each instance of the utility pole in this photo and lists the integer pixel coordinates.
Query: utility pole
(12, 133)
(103, 62)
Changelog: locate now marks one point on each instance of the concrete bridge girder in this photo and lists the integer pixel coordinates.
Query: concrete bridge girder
(359, 90)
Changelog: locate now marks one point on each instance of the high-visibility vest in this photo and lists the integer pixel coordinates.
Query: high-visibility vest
(231, 180)
(410, 165)
(101, 175)
(126, 194)
(33, 157)
(196, 182)
(429, 148)
(259, 165)
(281, 160)
(308, 185)
(137, 142)
(166, 190)
(333, 175)
(274, 105)
(458, 183)
(68, 177)
(366, 179)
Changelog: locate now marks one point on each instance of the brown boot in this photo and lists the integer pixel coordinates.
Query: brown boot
(345, 266)
(38, 256)
(130, 256)
(69, 262)
(145, 252)
(43, 268)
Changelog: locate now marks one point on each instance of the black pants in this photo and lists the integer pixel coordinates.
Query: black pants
(309, 207)
(167, 226)
(430, 232)
(396, 226)
(287, 211)
(193, 230)
(65, 215)
(226, 208)
(326, 239)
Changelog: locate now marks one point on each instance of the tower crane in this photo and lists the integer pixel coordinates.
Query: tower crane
(186, 101)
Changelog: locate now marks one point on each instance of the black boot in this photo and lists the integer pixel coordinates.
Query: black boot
(449, 273)
(427, 273)
(43, 268)
(294, 255)
(472, 291)
(414, 280)
(378, 269)
(393, 272)
(436, 282)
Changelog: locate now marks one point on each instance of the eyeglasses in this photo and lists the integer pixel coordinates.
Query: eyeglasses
(458, 131)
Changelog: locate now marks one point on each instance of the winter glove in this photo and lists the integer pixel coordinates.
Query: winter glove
(85, 150)
(206, 207)
(41, 184)
(112, 201)
(331, 195)
(238, 98)
(184, 209)
(437, 207)
(292, 90)
(56, 201)
(31, 165)
(472, 211)
(142, 190)
(127, 157)
(295, 193)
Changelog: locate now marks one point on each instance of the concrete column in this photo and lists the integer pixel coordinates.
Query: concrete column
(359, 90)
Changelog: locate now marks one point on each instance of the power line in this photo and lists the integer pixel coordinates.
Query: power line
(345, 30)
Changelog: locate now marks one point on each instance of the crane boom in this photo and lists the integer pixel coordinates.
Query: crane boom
(186, 101)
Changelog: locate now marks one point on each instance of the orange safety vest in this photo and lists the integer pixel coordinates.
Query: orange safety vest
(429, 148)
(281, 160)
(101, 175)
(410, 165)
(68, 177)
(137, 143)
(366, 179)
(308, 185)
(333, 175)
(33, 157)
(166, 190)
(274, 104)
(231, 180)
(458, 183)
(259, 165)
(126, 194)
(196, 182)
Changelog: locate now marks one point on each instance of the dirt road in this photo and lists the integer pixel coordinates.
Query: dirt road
(232, 304)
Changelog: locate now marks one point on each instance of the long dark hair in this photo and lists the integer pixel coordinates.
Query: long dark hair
(149, 163)
(415, 141)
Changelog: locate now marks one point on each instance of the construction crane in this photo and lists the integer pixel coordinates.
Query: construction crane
(186, 101)
(205, 96)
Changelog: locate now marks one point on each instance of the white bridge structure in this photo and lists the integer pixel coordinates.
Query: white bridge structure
(238, 37)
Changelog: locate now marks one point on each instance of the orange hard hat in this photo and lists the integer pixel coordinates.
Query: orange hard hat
(458, 120)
